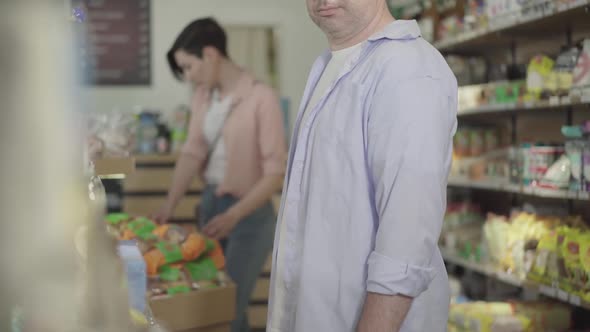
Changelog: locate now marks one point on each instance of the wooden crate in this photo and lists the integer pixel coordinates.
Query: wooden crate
(148, 205)
(154, 180)
(257, 316)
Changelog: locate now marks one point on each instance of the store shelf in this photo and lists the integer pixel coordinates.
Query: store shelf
(504, 186)
(549, 18)
(156, 158)
(120, 167)
(554, 105)
(494, 272)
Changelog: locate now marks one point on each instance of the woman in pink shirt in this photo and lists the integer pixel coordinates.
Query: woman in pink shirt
(236, 142)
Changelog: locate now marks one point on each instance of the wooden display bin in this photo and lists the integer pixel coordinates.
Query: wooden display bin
(207, 310)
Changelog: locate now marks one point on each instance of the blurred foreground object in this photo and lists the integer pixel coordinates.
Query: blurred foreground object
(44, 198)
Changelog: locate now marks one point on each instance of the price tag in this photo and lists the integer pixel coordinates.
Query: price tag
(575, 300)
(548, 291)
(563, 295)
(554, 101)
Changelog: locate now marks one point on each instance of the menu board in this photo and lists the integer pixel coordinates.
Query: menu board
(116, 49)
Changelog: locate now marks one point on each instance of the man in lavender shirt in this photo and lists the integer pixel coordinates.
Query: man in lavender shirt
(365, 190)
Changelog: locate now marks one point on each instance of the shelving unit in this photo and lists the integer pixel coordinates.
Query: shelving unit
(496, 273)
(118, 167)
(546, 22)
(504, 186)
(559, 105)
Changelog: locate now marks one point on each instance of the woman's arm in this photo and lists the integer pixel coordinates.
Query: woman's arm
(190, 161)
(273, 151)
(186, 168)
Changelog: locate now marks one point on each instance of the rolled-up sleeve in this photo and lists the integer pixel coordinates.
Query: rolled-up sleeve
(409, 144)
(196, 144)
(271, 134)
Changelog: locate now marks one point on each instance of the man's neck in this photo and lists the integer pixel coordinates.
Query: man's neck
(381, 20)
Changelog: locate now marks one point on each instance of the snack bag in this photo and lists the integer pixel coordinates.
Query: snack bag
(585, 262)
(153, 260)
(141, 228)
(545, 258)
(194, 246)
(116, 222)
(202, 270)
(581, 76)
(570, 251)
(217, 256)
(538, 70)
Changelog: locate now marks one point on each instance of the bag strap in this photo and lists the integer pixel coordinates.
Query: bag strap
(215, 142)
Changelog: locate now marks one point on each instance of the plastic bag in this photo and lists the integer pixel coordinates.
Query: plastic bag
(111, 134)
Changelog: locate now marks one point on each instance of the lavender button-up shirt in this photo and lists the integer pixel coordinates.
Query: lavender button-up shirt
(365, 190)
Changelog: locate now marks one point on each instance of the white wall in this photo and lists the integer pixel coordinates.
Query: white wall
(299, 42)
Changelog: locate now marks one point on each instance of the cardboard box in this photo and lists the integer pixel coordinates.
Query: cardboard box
(207, 310)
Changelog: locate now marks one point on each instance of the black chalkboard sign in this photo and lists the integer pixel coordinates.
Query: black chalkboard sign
(116, 47)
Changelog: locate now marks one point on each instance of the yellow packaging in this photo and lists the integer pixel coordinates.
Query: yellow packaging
(546, 258)
(570, 250)
(538, 70)
(585, 262)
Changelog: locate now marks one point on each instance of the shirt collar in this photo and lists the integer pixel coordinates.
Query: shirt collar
(398, 30)
(243, 88)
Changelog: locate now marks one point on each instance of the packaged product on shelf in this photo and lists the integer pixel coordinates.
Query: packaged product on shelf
(513, 243)
(462, 142)
(575, 274)
(562, 75)
(449, 27)
(475, 15)
(110, 134)
(147, 132)
(581, 80)
(546, 259)
(510, 316)
(461, 230)
(558, 175)
(586, 166)
(585, 262)
(476, 142)
(537, 159)
(538, 70)
(574, 150)
(178, 127)
(491, 139)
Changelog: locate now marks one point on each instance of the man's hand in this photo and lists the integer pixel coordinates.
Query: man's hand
(384, 313)
(221, 225)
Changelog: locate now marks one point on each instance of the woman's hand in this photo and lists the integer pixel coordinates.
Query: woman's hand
(221, 225)
(163, 215)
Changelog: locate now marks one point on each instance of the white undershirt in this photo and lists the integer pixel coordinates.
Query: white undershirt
(213, 126)
(329, 75)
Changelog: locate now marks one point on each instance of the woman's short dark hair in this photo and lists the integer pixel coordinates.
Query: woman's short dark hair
(194, 38)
